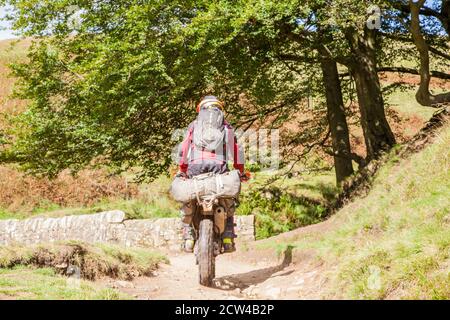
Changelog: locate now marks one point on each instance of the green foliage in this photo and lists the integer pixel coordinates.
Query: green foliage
(253, 167)
(278, 212)
(114, 94)
(162, 207)
(111, 87)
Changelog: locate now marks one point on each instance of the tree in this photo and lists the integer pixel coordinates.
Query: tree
(377, 132)
(113, 87)
(336, 118)
(109, 90)
(116, 88)
(423, 95)
(427, 27)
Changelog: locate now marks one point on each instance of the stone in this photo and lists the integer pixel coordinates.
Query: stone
(108, 227)
(115, 216)
(156, 288)
(294, 289)
(250, 291)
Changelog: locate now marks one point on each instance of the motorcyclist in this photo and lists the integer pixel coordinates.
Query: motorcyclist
(195, 160)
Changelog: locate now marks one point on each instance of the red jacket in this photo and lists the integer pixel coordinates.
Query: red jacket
(187, 144)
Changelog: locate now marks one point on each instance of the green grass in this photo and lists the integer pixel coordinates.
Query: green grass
(140, 257)
(134, 209)
(5, 214)
(37, 272)
(405, 103)
(24, 282)
(397, 237)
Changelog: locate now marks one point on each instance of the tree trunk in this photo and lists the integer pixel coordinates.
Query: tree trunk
(337, 120)
(378, 135)
(445, 15)
(423, 95)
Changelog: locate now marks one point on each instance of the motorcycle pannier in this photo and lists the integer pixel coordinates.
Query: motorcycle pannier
(226, 185)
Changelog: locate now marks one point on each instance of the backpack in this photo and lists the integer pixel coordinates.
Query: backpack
(209, 130)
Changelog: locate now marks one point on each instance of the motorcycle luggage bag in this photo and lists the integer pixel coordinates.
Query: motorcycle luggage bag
(226, 185)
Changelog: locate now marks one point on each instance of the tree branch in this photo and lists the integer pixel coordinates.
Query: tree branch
(425, 11)
(439, 53)
(308, 148)
(293, 57)
(434, 74)
(423, 95)
(442, 16)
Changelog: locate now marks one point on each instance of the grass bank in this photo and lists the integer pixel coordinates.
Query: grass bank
(395, 242)
(22, 282)
(66, 270)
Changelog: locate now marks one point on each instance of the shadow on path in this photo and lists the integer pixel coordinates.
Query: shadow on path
(245, 280)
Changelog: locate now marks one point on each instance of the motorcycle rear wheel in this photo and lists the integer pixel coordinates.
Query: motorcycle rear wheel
(205, 254)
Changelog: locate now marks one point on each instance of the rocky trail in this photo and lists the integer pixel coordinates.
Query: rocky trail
(238, 276)
(251, 272)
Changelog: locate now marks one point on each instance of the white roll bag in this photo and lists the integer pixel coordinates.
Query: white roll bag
(226, 185)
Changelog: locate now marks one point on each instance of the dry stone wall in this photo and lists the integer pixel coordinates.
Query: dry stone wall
(107, 227)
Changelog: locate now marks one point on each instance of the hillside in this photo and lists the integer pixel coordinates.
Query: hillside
(393, 243)
(11, 51)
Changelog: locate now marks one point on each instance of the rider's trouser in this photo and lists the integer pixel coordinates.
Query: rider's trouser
(187, 212)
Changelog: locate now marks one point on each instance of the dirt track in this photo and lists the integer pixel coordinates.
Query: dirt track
(236, 278)
(250, 273)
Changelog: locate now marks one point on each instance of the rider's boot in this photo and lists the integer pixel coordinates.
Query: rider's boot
(228, 236)
(188, 238)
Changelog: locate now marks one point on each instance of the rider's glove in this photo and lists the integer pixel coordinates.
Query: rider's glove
(245, 176)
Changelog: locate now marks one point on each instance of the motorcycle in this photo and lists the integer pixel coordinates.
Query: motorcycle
(209, 221)
(214, 197)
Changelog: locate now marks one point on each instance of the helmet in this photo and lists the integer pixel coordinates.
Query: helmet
(209, 101)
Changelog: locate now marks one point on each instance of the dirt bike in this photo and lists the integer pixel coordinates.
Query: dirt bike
(209, 221)
(213, 196)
